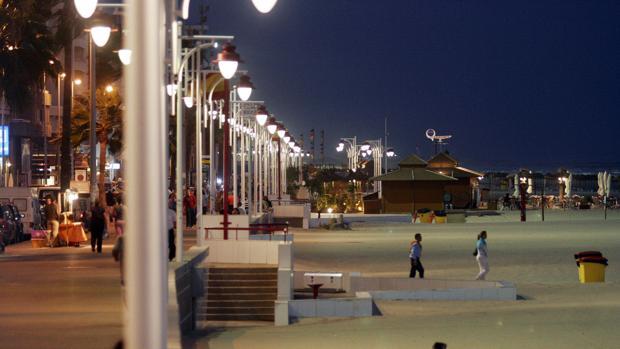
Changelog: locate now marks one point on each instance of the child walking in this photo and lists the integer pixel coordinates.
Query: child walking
(415, 252)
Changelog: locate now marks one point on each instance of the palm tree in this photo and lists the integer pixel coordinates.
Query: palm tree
(69, 27)
(109, 128)
(26, 50)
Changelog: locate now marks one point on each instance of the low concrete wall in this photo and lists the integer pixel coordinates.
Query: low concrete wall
(236, 221)
(358, 306)
(249, 252)
(409, 288)
(184, 287)
(296, 215)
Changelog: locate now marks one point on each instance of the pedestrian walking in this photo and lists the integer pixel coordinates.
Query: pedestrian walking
(481, 254)
(97, 224)
(51, 216)
(118, 214)
(415, 253)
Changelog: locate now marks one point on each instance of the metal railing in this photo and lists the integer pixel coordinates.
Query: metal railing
(255, 229)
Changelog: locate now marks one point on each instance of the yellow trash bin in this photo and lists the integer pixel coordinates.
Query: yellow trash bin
(426, 217)
(592, 269)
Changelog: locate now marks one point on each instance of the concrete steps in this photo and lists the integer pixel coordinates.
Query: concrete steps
(239, 294)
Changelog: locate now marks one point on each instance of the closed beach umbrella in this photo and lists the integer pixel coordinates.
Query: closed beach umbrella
(607, 183)
(530, 187)
(601, 185)
(516, 182)
(569, 184)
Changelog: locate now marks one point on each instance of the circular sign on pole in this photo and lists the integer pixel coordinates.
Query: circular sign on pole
(430, 134)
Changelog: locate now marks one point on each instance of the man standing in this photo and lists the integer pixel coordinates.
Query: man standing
(51, 216)
(189, 202)
(97, 223)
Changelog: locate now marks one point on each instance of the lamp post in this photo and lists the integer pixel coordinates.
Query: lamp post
(99, 36)
(522, 194)
(179, 101)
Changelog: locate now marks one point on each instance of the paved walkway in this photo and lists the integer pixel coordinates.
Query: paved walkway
(64, 297)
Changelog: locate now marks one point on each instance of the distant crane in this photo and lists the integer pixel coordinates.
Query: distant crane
(436, 139)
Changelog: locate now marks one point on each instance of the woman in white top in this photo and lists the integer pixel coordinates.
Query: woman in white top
(482, 255)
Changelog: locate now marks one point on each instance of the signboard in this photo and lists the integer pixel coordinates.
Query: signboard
(4, 140)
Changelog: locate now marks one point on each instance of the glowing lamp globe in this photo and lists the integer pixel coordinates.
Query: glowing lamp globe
(188, 101)
(286, 138)
(272, 127)
(85, 8)
(281, 132)
(264, 6)
(124, 55)
(100, 34)
(171, 89)
(228, 61)
(244, 90)
(261, 115)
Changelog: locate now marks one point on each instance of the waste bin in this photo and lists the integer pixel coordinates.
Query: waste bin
(592, 269)
(440, 217)
(425, 215)
(583, 254)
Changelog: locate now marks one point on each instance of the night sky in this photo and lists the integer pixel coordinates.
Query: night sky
(518, 83)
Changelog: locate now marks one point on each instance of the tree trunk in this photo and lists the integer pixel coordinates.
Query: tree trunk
(102, 157)
(65, 146)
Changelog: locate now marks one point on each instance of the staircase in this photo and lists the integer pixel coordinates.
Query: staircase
(239, 293)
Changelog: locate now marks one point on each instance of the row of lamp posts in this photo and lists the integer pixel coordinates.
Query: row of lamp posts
(368, 149)
(153, 39)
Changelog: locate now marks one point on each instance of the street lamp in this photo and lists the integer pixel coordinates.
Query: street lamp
(244, 89)
(390, 152)
(188, 101)
(85, 8)
(100, 34)
(228, 61)
(124, 55)
(262, 115)
(281, 131)
(365, 146)
(264, 6)
(109, 88)
(286, 138)
(272, 126)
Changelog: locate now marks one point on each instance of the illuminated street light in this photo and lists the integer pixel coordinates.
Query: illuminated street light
(264, 6)
(272, 126)
(390, 152)
(244, 89)
(228, 61)
(261, 115)
(281, 131)
(109, 88)
(365, 146)
(188, 101)
(286, 138)
(85, 8)
(78, 82)
(171, 89)
(100, 34)
(124, 55)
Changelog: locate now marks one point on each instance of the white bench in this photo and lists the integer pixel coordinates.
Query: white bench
(329, 280)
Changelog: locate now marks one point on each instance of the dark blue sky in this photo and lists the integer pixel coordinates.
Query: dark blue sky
(518, 83)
